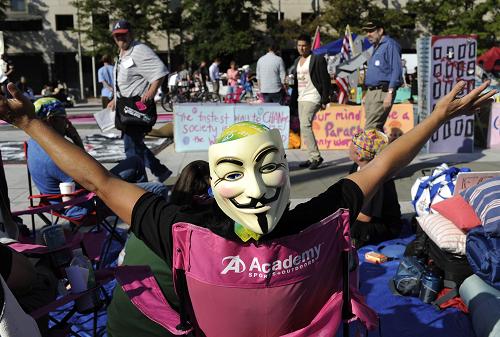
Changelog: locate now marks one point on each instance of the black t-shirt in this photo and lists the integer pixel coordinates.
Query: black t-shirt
(5, 261)
(153, 217)
(384, 206)
(5, 267)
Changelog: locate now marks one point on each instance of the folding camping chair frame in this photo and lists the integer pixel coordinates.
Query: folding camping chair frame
(102, 277)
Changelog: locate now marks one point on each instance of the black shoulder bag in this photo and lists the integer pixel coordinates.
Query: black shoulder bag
(131, 113)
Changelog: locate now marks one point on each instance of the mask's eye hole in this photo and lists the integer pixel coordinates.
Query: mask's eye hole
(233, 176)
(268, 168)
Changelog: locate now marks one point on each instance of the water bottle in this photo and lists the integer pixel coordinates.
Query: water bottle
(81, 277)
(431, 284)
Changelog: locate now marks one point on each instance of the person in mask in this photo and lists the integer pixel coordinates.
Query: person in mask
(250, 183)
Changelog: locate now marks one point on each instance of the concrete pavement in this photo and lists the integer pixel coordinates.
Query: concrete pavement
(305, 183)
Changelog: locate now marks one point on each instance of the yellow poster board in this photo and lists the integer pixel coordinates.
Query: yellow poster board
(335, 126)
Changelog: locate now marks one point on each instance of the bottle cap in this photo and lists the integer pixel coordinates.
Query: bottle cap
(77, 252)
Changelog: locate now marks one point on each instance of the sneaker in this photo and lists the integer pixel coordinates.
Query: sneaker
(164, 176)
(305, 164)
(315, 163)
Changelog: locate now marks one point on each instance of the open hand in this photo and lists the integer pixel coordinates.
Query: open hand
(17, 110)
(450, 106)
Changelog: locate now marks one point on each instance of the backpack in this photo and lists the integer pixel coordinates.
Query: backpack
(431, 189)
(453, 269)
(483, 254)
(407, 280)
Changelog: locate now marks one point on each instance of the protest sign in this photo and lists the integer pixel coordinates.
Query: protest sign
(335, 126)
(494, 127)
(274, 116)
(196, 126)
(451, 59)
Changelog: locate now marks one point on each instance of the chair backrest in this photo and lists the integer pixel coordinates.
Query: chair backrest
(291, 286)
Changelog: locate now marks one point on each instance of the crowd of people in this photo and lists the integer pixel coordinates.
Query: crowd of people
(239, 199)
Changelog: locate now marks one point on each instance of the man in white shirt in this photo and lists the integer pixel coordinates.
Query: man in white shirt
(214, 74)
(139, 72)
(271, 75)
(311, 91)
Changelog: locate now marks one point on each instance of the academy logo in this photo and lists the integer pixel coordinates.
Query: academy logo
(257, 268)
(235, 264)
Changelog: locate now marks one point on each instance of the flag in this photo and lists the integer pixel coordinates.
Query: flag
(343, 82)
(317, 39)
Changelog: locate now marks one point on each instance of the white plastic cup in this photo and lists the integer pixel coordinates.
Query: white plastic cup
(67, 188)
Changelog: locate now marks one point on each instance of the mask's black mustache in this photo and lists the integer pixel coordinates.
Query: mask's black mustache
(253, 202)
(261, 218)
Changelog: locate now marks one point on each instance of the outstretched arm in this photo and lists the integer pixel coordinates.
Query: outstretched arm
(400, 153)
(118, 195)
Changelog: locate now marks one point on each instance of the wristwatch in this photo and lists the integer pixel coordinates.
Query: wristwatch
(390, 91)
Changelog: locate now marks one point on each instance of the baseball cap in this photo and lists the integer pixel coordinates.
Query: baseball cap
(121, 27)
(49, 106)
(371, 25)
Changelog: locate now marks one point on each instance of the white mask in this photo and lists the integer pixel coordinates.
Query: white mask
(250, 180)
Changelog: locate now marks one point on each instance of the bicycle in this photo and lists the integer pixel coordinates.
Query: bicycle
(184, 93)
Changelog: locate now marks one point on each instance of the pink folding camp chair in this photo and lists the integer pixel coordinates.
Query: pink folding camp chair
(89, 243)
(300, 284)
(95, 220)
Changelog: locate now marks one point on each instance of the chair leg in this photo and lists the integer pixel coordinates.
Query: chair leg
(95, 322)
(113, 234)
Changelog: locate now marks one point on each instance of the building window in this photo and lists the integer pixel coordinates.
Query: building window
(18, 5)
(64, 22)
(272, 19)
(306, 18)
(21, 25)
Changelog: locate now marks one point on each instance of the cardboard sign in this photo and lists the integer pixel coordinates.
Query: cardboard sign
(469, 179)
(335, 126)
(494, 127)
(274, 116)
(196, 126)
(452, 59)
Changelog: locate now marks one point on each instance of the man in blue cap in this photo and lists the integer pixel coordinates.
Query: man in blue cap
(383, 75)
(139, 73)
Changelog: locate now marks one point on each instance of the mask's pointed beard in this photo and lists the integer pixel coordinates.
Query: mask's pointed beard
(261, 218)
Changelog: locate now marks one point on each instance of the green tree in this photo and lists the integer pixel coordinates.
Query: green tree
(444, 17)
(226, 28)
(340, 13)
(95, 16)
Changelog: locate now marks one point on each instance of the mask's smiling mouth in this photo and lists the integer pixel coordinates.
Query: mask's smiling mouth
(257, 205)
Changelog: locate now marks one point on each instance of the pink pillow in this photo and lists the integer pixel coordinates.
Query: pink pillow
(458, 211)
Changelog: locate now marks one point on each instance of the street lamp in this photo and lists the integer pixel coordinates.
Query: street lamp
(80, 61)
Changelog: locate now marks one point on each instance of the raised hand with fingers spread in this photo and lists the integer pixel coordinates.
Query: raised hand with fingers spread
(451, 105)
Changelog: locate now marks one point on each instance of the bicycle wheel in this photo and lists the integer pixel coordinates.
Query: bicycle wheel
(166, 103)
(180, 98)
(210, 97)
